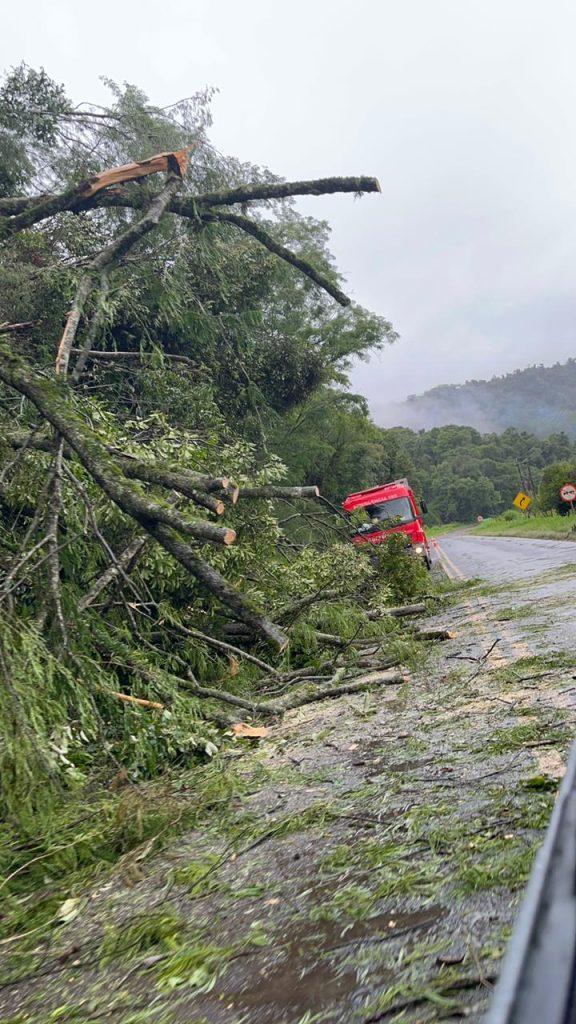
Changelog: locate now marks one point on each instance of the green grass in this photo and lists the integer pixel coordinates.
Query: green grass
(437, 531)
(544, 525)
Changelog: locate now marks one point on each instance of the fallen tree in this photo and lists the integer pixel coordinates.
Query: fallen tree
(158, 310)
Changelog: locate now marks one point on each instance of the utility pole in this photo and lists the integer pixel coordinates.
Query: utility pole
(521, 475)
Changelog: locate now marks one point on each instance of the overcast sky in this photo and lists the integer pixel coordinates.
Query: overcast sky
(464, 109)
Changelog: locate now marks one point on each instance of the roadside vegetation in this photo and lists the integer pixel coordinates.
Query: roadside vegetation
(546, 525)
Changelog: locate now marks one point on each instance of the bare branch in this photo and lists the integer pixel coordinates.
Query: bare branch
(92, 331)
(221, 645)
(141, 357)
(285, 189)
(312, 695)
(12, 328)
(52, 524)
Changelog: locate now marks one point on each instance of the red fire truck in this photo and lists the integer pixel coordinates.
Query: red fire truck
(391, 508)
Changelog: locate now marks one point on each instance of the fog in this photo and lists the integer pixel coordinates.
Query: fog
(464, 109)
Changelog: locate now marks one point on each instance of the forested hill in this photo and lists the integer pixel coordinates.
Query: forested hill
(539, 399)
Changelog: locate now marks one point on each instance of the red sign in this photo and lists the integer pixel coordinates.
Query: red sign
(568, 492)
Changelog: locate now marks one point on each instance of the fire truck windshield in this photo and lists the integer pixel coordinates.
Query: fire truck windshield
(398, 509)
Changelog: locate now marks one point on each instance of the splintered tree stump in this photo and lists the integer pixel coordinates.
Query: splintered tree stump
(175, 163)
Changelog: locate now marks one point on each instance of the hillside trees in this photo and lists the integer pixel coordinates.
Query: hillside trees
(538, 399)
(465, 474)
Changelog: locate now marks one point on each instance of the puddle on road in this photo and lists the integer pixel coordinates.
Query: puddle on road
(308, 981)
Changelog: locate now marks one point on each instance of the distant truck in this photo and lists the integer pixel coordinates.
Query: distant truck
(391, 508)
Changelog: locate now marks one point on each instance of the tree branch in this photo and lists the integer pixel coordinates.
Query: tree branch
(141, 357)
(270, 243)
(119, 568)
(92, 331)
(285, 189)
(21, 212)
(184, 481)
(159, 522)
(51, 402)
(297, 700)
(221, 645)
(111, 253)
(220, 587)
(271, 491)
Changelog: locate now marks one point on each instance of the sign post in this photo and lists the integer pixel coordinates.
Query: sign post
(568, 494)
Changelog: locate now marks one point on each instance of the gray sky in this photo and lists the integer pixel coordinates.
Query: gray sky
(464, 109)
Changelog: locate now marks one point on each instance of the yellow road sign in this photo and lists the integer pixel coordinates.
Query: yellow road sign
(522, 501)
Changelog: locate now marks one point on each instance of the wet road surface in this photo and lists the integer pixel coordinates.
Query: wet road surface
(371, 863)
(503, 559)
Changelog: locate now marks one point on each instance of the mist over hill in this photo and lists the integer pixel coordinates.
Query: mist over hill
(540, 399)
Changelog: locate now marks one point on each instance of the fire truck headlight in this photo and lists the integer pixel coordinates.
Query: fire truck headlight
(419, 549)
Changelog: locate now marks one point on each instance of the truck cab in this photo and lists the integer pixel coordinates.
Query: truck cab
(391, 508)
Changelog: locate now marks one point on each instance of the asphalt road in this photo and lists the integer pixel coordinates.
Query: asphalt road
(503, 559)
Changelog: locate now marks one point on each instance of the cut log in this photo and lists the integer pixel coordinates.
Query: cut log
(399, 612)
(433, 634)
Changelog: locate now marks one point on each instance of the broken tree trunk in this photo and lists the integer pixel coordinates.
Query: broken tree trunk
(175, 163)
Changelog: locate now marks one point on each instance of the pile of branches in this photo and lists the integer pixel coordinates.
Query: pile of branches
(142, 659)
